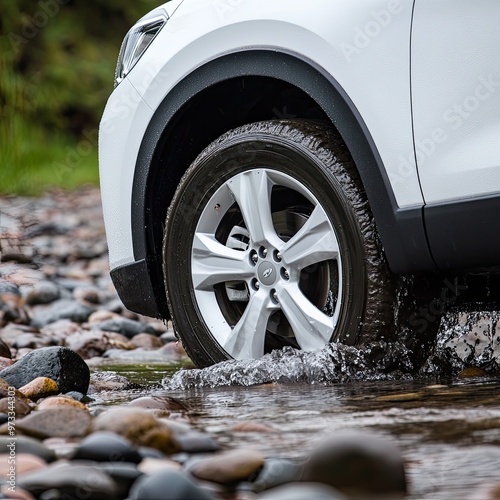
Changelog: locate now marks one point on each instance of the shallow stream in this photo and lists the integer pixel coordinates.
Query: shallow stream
(447, 430)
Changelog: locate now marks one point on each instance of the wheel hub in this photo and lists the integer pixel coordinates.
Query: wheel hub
(267, 273)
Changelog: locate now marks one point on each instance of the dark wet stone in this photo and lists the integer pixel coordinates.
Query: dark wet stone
(146, 452)
(301, 491)
(275, 472)
(60, 364)
(5, 350)
(25, 444)
(79, 396)
(72, 481)
(60, 309)
(123, 474)
(3, 418)
(107, 447)
(55, 422)
(358, 464)
(197, 442)
(228, 467)
(139, 426)
(43, 292)
(127, 327)
(167, 484)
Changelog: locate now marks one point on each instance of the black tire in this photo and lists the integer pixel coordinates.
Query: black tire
(313, 171)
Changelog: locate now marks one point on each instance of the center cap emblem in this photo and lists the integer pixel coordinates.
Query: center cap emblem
(267, 273)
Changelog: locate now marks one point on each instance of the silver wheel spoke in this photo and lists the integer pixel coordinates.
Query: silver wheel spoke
(252, 192)
(314, 242)
(214, 263)
(246, 340)
(312, 327)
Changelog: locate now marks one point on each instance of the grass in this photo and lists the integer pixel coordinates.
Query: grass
(34, 159)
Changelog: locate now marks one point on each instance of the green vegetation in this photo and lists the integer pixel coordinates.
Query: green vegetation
(57, 61)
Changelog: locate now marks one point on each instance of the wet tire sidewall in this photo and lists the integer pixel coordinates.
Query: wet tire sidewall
(282, 147)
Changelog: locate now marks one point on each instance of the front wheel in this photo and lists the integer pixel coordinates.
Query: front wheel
(269, 241)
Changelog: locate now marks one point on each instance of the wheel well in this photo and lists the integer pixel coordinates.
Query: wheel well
(205, 117)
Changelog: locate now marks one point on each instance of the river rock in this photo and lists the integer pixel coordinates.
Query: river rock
(25, 462)
(43, 292)
(159, 403)
(71, 481)
(228, 467)
(167, 484)
(64, 448)
(150, 465)
(41, 387)
(60, 401)
(140, 427)
(472, 372)
(252, 427)
(32, 341)
(107, 447)
(4, 350)
(21, 407)
(358, 464)
(55, 422)
(60, 309)
(6, 391)
(20, 494)
(90, 294)
(275, 472)
(28, 445)
(94, 343)
(60, 364)
(197, 442)
(146, 341)
(127, 327)
(123, 474)
(301, 491)
(60, 329)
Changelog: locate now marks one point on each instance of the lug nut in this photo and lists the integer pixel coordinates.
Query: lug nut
(255, 258)
(274, 295)
(256, 284)
(278, 256)
(264, 252)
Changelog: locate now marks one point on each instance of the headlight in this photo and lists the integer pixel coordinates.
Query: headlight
(136, 41)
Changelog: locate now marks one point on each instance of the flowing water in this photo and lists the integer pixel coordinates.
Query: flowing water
(447, 427)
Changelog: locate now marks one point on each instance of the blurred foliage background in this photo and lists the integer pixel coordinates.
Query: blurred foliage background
(57, 62)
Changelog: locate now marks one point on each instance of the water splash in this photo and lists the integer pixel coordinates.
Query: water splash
(465, 339)
(336, 363)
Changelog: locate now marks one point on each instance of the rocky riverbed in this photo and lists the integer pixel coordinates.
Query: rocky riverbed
(61, 324)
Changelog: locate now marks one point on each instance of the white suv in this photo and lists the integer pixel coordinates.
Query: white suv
(268, 166)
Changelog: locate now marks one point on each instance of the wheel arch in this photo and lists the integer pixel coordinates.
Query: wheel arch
(225, 93)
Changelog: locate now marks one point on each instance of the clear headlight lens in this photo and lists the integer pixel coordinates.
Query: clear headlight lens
(135, 43)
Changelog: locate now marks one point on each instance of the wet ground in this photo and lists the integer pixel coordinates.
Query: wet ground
(447, 430)
(447, 427)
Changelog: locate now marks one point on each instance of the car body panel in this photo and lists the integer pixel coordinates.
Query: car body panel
(456, 98)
